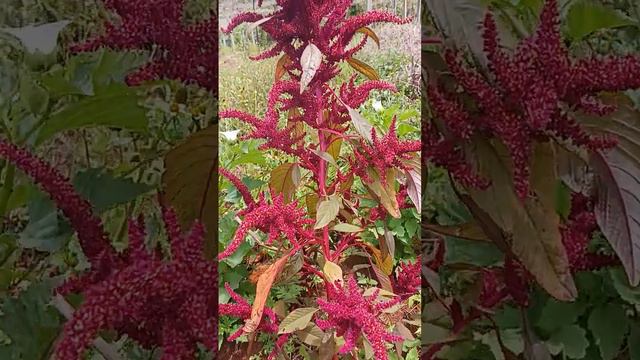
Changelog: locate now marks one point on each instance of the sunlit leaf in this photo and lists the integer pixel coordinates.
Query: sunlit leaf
(263, 287)
(364, 69)
(298, 319)
(310, 61)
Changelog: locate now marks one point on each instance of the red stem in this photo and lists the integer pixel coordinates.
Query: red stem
(322, 173)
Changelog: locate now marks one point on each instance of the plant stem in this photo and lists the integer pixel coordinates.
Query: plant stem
(322, 173)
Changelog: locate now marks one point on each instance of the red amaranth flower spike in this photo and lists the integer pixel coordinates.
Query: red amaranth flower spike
(408, 279)
(352, 314)
(273, 219)
(242, 310)
(530, 94)
(166, 303)
(179, 51)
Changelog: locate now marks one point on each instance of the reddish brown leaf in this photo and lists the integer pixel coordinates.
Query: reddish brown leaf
(263, 287)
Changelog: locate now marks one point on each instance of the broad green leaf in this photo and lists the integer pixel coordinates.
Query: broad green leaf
(104, 190)
(609, 325)
(588, 16)
(298, 319)
(32, 95)
(557, 314)
(45, 231)
(327, 211)
(99, 110)
(333, 272)
(570, 340)
(621, 283)
(533, 223)
(189, 182)
(30, 322)
(283, 182)
(348, 228)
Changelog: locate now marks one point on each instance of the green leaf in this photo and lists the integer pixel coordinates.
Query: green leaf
(114, 106)
(32, 95)
(587, 16)
(558, 314)
(571, 340)
(348, 228)
(634, 342)
(298, 319)
(621, 284)
(30, 322)
(45, 231)
(608, 324)
(104, 190)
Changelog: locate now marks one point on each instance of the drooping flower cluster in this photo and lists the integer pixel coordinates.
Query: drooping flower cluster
(273, 219)
(577, 233)
(533, 93)
(179, 51)
(353, 314)
(408, 280)
(159, 303)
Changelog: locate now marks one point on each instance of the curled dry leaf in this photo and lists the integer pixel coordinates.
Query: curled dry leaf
(370, 33)
(263, 287)
(310, 61)
(281, 66)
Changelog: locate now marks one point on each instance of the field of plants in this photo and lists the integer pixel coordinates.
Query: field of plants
(319, 224)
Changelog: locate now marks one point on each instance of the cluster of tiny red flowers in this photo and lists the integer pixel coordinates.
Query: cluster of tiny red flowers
(531, 94)
(274, 219)
(353, 314)
(408, 280)
(384, 153)
(179, 51)
(159, 303)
